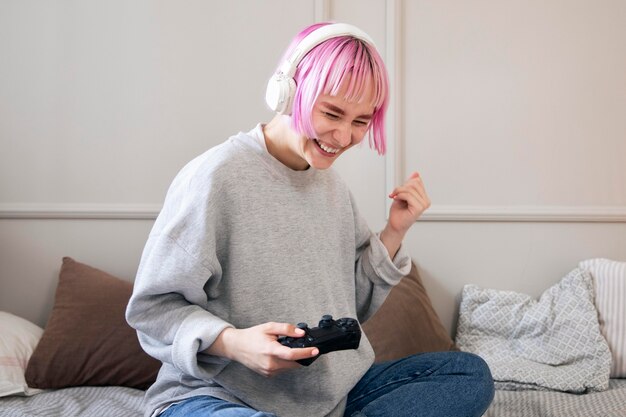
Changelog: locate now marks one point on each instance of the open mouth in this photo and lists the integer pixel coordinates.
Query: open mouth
(325, 148)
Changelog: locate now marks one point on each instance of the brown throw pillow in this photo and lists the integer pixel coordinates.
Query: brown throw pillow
(407, 323)
(87, 340)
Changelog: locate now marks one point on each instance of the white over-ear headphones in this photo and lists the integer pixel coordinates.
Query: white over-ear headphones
(281, 88)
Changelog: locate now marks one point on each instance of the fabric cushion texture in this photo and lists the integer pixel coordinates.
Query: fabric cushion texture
(407, 323)
(87, 340)
(609, 278)
(553, 342)
(18, 338)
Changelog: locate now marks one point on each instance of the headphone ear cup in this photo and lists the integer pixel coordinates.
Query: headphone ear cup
(280, 92)
(281, 88)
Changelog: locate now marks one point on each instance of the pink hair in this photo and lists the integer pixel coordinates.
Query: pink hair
(324, 69)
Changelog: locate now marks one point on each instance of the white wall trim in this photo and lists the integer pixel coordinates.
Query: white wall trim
(80, 211)
(394, 164)
(436, 213)
(576, 214)
(322, 10)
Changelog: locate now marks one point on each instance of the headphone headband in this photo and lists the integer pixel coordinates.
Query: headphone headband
(282, 87)
(334, 30)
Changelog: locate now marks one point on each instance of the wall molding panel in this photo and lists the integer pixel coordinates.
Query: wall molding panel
(554, 214)
(80, 211)
(322, 10)
(394, 163)
(437, 213)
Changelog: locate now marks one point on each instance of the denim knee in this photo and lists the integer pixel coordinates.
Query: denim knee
(478, 370)
(204, 405)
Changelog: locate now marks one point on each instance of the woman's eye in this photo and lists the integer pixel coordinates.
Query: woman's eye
(331, 115)
(360, 123)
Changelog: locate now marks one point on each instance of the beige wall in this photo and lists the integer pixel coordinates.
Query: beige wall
(513, 111)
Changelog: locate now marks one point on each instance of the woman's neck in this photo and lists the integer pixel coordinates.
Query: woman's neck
(284, 144)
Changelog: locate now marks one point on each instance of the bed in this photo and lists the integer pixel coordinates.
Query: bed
(86, 362)
(122, 401)
(85, 401)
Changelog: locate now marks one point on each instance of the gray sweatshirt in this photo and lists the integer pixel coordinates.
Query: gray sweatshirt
(243, 240)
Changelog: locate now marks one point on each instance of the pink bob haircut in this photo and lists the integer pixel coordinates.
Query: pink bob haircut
(323, 70)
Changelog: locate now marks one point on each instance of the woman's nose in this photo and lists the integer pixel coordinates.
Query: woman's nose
(343, 134)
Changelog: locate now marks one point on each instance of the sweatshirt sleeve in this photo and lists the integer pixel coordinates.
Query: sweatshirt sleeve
(168, 308)
(178, 276)
(375, 272)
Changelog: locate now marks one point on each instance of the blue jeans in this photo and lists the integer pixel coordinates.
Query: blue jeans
(438, 384)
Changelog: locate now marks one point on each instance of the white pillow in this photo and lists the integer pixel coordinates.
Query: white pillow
(18, 339)
(610, 286)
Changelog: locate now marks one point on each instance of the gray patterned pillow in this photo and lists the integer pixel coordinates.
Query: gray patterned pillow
(550, 343)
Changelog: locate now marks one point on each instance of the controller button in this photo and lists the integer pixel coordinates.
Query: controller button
(302, 326)
(326, 321)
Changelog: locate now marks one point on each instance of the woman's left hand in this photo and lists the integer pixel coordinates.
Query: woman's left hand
(409, 202)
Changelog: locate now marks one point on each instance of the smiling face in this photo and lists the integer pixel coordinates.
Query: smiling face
(342, 66)
(339, 124)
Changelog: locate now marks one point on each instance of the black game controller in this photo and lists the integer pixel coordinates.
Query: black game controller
(331, 335)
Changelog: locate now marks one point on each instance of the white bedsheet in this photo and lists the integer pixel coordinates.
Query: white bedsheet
(76, 402)
(609, 403)
(126, 402)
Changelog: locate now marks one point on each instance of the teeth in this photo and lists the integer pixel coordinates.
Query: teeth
(326, 148)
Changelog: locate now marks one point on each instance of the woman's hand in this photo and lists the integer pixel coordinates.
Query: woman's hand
(409, 202)
(257, 348)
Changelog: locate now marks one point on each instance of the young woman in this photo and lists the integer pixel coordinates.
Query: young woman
(260, 233)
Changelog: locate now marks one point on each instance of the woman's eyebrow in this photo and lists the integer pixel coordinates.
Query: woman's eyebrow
(340, 111)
